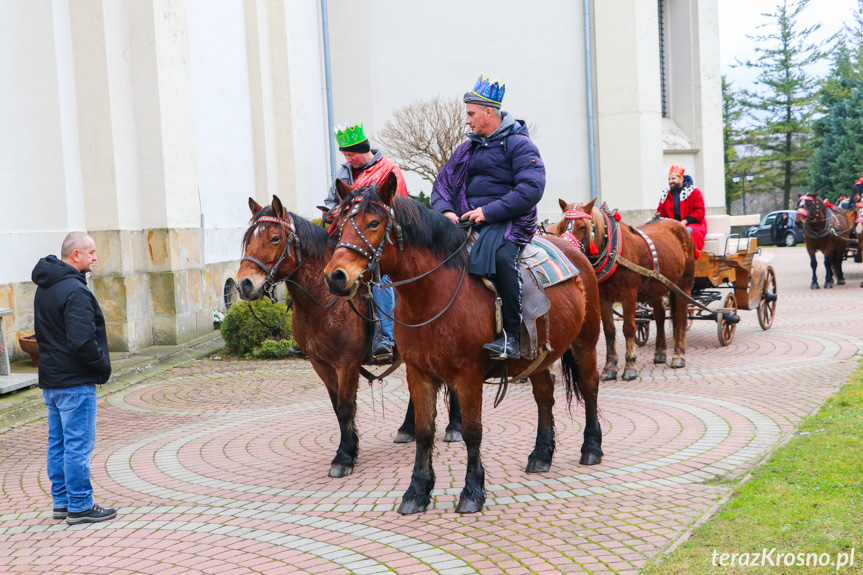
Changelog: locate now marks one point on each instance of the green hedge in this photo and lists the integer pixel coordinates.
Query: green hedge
(244, 334)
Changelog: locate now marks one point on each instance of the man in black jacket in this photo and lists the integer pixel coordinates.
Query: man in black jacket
(73, 358)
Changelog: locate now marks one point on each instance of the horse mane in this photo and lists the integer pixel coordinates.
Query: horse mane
(598, 221)
(314, 239)
(421, 226)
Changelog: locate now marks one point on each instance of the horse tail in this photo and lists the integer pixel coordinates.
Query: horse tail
(570, 378)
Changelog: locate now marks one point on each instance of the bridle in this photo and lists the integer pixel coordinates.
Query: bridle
(814, 218)
(570, 216)
(374, 253)
(292, 239)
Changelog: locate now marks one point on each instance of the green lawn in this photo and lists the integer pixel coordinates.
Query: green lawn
(806, 499)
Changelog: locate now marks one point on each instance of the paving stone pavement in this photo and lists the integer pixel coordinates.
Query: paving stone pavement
(221, 466)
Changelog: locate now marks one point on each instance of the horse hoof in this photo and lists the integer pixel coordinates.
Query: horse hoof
(814, 286)
(678, 362)
(590, 459)
(403, 437)
(630, 374)
(536, 466)
(453, 436)
(468, 506)
(608, 375)
(411, 506)
(659, 358)
(340, 470)
(840, 282)
(828, 285)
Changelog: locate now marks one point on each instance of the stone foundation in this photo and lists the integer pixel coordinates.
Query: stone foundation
(152, 285)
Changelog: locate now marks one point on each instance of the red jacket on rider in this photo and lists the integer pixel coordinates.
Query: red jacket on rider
(691, 211)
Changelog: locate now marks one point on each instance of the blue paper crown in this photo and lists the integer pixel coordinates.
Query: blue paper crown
(485, 89)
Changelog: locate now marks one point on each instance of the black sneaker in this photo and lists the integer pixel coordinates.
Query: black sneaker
(93, 515)
(60, 512)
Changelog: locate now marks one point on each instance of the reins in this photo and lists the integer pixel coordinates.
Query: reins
(374, 253)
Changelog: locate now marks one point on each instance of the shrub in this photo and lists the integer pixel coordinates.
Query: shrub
(243, 333)
(272, 349)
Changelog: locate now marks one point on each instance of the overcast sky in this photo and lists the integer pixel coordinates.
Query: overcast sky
(739, 18)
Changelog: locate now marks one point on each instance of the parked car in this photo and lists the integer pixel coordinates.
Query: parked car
(791, 235)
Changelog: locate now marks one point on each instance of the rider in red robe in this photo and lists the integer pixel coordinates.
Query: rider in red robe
(683, 202)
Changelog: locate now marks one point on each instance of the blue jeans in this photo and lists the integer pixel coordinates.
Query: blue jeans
(71, 438)
(386, 302)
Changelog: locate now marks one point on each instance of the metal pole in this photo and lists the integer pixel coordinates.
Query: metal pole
(588, 78)
(328, 75)
(743, 181)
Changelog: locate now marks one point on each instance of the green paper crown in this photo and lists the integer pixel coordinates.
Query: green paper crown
(350, 136)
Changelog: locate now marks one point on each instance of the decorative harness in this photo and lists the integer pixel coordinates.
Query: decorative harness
(830, 220)
(604, 263)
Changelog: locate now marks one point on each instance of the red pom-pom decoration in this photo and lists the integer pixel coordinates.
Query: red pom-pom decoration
(593, 250)
(617, 216)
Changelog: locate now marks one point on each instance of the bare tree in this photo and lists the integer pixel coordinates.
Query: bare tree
(423, 135)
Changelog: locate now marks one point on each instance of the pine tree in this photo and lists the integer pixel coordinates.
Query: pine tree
(785, 97)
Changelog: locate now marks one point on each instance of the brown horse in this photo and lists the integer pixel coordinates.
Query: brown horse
(445, 316)
(674, 252)
(826, 231)
(282, 245)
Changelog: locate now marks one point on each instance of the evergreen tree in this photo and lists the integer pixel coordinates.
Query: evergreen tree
(732, 112)
(839, 158)
(838, 134)
(785, 97)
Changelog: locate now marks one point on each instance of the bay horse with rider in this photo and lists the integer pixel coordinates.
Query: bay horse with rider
(444, 318)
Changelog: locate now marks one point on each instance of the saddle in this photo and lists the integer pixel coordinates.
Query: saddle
(540, 264)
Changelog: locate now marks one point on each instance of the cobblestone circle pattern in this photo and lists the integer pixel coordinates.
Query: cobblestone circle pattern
(221, 466)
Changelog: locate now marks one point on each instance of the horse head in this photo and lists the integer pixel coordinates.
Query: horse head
(582, 225)
(367, 226)
(267, 253)
(810, 210)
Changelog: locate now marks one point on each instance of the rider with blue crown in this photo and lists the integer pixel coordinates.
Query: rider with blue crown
(495, 179)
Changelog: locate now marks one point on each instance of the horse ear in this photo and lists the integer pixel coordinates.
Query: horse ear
(563, 204)
(255, 206)
(588, 207)
(277, 208)
(387, 191)
(342, 189)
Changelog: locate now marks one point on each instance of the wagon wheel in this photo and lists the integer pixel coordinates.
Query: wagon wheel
(767, 305)
(642, 332)
(724, 330)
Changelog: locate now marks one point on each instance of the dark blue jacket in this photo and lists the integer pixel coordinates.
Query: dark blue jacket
(70, 328)
(505, 176)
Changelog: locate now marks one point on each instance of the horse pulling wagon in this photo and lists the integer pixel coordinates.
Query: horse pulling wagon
(730, 269)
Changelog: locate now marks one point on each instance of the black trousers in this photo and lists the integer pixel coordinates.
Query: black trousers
(507, 281)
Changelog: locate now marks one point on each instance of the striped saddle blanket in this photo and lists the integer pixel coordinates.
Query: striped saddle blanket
(546, 263)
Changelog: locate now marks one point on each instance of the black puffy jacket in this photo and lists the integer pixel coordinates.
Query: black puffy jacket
(70, 328)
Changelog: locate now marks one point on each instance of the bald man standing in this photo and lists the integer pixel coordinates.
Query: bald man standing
(73, 358)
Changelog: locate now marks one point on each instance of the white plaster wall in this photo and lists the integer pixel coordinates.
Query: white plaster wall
(222, 123)
(40, 189)
(314, 88)
(32, 163)
(388, 53)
